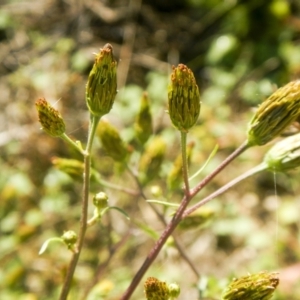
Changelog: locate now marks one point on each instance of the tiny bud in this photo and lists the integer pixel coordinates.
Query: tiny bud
(143, 123)
(155, 289)
(50, 119)
(70, 238)
(100, 200)
(273, 116)
(101, 88)
(284, 155)
(112, 142)
(259, 286)
(184, 98)
(174, 290)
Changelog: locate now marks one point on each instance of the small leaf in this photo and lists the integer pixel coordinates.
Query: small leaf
(47, 242)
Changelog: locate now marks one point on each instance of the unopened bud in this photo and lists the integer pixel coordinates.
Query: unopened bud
(152, 158)
(101, 88)
(111, 141)
(284, 155)
(70, 238)
(50, 119)
(156, 289)
(100, 200)
(184, 98)
(274, 115)
(143, 124)
(259, 286)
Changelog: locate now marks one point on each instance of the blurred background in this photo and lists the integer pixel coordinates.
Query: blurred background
(239, 51)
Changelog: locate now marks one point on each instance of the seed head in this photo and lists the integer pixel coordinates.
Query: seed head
(184, 98)
(101, 88)
(276, 113)
(50, 119)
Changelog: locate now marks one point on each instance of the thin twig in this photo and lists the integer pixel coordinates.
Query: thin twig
(224, 188)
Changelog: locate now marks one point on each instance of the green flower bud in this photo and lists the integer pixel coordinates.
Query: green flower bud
(174, 290)
(175, 180)
(184, 98)
(276, 113)
(50, 119)
(284, 155)
(259, 286)
(143, 124)
(101, 88)
(155, 289)
(112, 142)
(100, 200)
(151, 160)
(70, 238)
(74, 168)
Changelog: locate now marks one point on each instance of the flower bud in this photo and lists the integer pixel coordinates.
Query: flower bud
(184, 98)
(151, 160)
(111, 141)
(143, 124)
(174, 290)
(100, 200)
(259, 286)
(74, 168)
(101, 88)
(50, 119)
(276, 113)
(70, 238)
(284, 155)
(156, 289)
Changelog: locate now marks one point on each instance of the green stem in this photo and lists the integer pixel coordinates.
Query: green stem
(224, 188)
(67, 139)
(84, 209)
(185, 164)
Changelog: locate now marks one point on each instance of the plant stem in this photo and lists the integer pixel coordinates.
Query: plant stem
(67, 139)
(185, 164)
(175, 221)
(243, 147)
(224, 188)
(84, 209)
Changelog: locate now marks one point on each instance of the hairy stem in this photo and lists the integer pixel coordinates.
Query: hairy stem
(84, 210)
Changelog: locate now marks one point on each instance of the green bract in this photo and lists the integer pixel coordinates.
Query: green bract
(101, 88)
(184, 98)
(276, 113)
